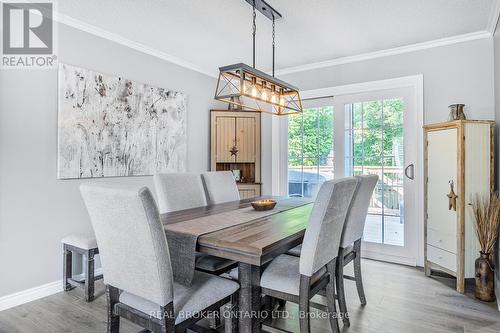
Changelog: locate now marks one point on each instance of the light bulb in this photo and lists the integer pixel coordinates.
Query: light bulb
(282, 101)
(273, 98)
(264, 95)
(254, 91)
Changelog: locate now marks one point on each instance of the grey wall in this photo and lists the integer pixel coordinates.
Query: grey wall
(36, 210)
(459, 73)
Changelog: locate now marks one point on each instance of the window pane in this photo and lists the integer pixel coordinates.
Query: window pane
(373, 228)
(357, 115)
(295, 177)
(310, 151)
(312, 179)
(393, 141)
(310, 134)
(372, 114)
(393, 112)
(357, 143)
(372, 142)
(295, 137)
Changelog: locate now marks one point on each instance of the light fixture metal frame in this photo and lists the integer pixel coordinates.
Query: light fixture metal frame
(231, 89)
(234, 79)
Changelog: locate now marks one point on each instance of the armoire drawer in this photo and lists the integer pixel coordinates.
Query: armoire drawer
(442, 258)
(442, 240)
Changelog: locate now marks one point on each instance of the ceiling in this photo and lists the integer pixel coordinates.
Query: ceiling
(208, 34)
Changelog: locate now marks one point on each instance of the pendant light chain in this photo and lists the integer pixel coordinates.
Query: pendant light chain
(253, 33)
(274, 35)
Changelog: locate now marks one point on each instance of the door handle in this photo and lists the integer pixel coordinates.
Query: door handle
(408, 168)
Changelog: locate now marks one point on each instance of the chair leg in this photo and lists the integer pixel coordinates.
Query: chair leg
(339, 279)
(231, 315)
(67, 268)
(357, 272)
(304, 318)
(330, 298)
(168, 320)
(112, 295)
(89, 276)
(214, 320)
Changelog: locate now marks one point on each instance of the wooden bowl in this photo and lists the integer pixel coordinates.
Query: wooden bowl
(261, 205)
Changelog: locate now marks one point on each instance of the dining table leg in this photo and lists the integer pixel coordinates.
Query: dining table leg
(249, 279)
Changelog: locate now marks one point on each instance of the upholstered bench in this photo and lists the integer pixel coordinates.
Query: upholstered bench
(86, 245)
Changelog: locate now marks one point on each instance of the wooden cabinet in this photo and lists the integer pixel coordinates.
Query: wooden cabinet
(458, 162)
(235, 145)
(248, 190)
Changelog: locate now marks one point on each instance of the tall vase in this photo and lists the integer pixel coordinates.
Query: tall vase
(485, 288)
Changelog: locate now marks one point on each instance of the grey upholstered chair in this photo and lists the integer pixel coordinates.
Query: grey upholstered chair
(298, 279)
(220, 186)
(137, 268)
(178, 191)
(350, 243)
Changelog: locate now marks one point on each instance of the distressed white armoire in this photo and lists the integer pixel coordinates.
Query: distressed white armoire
(458, 164)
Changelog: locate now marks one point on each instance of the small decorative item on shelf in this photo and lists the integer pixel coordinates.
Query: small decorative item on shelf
(456, 112)
(487, 223)
(265, 204)
(237, 175)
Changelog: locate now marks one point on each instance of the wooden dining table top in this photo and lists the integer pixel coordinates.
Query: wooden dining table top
(254, 242)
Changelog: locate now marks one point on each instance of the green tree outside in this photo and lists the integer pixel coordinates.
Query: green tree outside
(376, 129)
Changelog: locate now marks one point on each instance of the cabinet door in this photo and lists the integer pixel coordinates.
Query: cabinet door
(225, 139)
(442, 167)
(248, 191)
(245, 139)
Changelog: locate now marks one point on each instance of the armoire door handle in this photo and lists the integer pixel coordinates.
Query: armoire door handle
(408, 168)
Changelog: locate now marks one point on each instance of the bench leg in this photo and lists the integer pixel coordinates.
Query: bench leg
(67, 268)
(89, 276)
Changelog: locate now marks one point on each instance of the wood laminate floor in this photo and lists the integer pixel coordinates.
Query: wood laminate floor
(400, 300)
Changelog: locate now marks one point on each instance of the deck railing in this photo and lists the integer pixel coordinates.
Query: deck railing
(388, 192)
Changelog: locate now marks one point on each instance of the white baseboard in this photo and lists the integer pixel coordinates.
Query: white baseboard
(28, 295)
(389, 258)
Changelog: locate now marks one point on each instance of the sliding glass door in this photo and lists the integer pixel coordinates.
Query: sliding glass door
(360, 134)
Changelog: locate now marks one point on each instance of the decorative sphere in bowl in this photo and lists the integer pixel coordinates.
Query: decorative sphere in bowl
(265, 204)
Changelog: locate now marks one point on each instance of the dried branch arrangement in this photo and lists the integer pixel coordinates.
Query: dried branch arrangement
(487, 220)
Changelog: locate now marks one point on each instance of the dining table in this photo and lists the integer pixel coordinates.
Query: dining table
(250, 238)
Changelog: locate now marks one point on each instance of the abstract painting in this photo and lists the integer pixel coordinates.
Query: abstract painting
(110, 126)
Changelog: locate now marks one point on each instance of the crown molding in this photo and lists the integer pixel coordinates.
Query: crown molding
(388, 52)
(494, 16)
(80, 25)
(91, 29)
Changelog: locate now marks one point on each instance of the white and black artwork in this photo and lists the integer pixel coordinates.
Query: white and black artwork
(110, 126)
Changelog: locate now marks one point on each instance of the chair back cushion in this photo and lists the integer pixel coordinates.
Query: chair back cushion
(178, 191)
(322, 237)
(132, 243)
(356, 217)
(220, 186)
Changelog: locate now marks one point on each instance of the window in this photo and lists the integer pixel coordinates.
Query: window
(310, 150)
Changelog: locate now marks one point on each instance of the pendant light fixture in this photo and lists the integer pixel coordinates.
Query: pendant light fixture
(247, 88)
